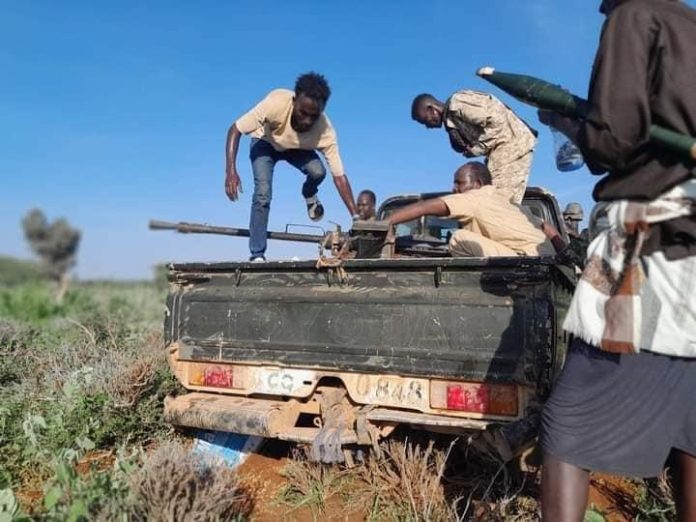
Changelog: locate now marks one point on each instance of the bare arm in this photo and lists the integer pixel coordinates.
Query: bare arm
(554, 236)
(344, 189)
(233, 183)
(428, 207)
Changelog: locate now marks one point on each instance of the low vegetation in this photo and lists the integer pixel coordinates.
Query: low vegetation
(83, 377)
(15, 271)
(414, 479)
(82, 384)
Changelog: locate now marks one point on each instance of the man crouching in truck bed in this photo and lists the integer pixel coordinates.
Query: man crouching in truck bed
(490, 224)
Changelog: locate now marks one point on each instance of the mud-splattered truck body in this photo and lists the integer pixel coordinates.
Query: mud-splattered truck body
(341, 355)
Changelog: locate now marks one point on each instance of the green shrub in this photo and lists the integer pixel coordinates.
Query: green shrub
(9, 507)
(88, 373)
(161, 276)
(29, 303)
(19, 271)
(103, 495)
(34, 303)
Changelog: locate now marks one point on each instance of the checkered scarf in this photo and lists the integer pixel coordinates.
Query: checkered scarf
(625, 302)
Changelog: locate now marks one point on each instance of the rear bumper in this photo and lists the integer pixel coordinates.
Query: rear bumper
(279, 419)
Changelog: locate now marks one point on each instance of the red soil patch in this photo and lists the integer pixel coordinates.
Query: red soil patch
(261, 472)
(95, 460)
(29, 498)
(614, 496)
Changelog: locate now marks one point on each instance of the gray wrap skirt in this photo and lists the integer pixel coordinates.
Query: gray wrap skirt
(621, 414)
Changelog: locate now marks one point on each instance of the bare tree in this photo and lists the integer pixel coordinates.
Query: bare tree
(56, 244)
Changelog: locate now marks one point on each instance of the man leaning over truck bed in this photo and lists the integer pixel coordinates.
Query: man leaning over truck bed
(491, 224)
(288, 126)
(479, 124)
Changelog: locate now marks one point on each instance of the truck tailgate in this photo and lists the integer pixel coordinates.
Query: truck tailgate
(462, 318)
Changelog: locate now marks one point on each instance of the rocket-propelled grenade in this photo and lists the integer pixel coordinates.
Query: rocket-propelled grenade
(536, 92)
(544, 95)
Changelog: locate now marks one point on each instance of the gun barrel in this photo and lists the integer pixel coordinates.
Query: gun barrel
(157, 224)
(545, 95)
(198, 228)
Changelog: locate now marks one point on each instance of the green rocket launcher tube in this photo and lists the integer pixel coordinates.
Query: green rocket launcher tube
(545, 95)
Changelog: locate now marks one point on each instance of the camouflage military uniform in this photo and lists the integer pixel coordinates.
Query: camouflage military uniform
(577, 248)
(576, 252)
(481, 123)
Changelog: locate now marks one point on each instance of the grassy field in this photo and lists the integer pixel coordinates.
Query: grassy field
(82, 437)
(18, 271)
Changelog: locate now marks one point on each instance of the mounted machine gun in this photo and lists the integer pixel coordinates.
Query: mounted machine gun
(365, 240)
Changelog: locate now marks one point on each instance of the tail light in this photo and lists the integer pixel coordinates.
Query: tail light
(215, 375)
(475, 397)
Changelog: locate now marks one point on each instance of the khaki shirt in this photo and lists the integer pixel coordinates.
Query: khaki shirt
(270, 121)
(488, 212)
(490, 127)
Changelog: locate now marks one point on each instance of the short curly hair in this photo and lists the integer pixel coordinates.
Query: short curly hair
(314, 86)
(419, 100)
(371, 195)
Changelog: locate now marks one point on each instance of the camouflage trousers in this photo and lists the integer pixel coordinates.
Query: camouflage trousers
(510, 176)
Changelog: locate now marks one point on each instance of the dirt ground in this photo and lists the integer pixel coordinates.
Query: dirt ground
(262, 471)
(613, 496)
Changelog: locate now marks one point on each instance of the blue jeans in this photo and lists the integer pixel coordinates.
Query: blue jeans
(263, 159)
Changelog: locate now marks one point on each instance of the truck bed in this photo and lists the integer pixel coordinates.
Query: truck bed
(473, 319)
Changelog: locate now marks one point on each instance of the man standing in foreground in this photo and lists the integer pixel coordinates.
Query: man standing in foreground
(479, 124)
(288, 126)
(624, 402)
(491, 225)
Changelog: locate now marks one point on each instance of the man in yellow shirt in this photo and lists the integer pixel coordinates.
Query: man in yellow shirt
(479, 124)
(288, 126)
(490, 224)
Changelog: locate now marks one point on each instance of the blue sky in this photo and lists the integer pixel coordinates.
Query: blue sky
(113, 113)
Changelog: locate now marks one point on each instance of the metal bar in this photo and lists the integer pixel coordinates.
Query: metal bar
(198, 228)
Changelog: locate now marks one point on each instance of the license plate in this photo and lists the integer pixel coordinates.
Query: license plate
(282, 382)
(398, 391)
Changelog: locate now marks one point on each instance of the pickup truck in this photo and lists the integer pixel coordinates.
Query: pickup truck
(339, 356)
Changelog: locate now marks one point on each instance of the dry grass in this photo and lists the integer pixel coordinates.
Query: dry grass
(126, 376)
(113, 360)
(427, 479)
(311, 483)
(488, 489)
(175, 485)
(404, 483)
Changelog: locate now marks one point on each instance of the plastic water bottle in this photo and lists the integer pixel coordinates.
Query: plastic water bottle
(568, 156)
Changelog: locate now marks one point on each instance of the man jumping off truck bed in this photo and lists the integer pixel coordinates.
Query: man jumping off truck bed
(288, 126)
